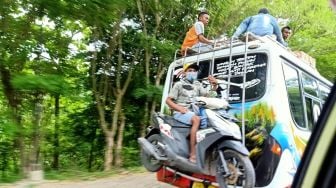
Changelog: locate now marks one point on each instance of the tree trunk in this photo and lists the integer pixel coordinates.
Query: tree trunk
(35, 153)
(119, 93)
(14, 102)
(102, 87)
(90, 161)
(109, 151)
(120, 138)
(21, 145)
(115, 121)
(55, 163)
(159, 75)
(144, 120)
(148, 107)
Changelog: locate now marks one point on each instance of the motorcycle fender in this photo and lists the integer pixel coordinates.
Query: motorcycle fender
(216, 138)
(234, 145)
(205, 144)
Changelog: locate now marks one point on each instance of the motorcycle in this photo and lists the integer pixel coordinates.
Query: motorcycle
(219, 150)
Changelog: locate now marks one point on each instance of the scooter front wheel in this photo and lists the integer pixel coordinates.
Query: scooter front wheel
(241, 171)
(149, 161)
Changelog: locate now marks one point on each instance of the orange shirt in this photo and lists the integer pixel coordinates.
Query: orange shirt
(191, 37)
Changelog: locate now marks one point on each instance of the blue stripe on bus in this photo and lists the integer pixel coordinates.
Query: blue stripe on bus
(283, 136)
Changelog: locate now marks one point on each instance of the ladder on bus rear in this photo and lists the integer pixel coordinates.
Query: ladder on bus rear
(248, 37)
(229, 73)
(243, 86)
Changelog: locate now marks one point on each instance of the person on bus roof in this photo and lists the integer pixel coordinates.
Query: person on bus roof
(286, 33)
(195, 38)
(185, 91)
(261, 24)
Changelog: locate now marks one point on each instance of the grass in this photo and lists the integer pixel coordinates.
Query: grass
(72, 174)
(9, 178)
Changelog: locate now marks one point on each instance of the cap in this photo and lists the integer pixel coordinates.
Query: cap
(190, 65)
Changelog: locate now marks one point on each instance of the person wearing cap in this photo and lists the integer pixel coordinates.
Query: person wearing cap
(195, 39)
(261, 24)
(185, 91)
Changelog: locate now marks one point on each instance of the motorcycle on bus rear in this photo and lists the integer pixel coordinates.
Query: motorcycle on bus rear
(220, 153)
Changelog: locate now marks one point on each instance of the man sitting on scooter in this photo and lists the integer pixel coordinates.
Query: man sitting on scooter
(185, 91)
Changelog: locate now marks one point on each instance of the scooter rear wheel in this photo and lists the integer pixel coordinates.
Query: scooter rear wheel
(149, 162)
(240, 167)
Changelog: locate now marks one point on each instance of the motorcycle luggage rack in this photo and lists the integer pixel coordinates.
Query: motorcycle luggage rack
(194, 179)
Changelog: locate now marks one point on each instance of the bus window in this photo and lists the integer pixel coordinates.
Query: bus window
(204, 68)
(309, 85)
(316, 111)
(312, 101)
(324, 92)
(313, 112)
(309, 112)
(255, 75)
(294, 95)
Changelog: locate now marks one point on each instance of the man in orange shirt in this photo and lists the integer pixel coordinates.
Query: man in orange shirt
(195, 39)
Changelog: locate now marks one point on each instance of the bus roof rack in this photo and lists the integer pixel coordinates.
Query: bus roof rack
(224, 42)
(306, 58)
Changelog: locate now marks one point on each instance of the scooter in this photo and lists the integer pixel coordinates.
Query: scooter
(219, 150)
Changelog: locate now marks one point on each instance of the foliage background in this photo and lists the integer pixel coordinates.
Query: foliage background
(80, 78)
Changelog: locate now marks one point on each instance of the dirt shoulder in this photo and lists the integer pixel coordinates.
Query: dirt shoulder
(136, 180)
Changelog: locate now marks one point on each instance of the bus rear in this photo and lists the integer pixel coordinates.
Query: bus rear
(259, 85)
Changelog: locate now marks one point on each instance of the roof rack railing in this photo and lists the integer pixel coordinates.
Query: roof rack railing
(222, 42)
(184, 55)
(175, 55)
(265, 39)
(218, 44)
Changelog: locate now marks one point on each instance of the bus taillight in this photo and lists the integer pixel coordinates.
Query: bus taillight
(276, 149)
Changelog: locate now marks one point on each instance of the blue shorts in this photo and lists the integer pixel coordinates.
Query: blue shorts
(184, 118)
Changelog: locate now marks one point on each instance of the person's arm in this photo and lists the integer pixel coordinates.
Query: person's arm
(242, 27)
(174, 106)
(199, 27)
(202, 39)
(277, 32)
(213, 82)
(214, 85)
(174, 93)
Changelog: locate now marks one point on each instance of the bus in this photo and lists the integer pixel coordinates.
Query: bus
(277, 93)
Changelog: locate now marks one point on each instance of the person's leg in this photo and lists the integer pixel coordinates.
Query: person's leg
(192, 119)
(184, 118)
(202, 47)
(195, 123)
